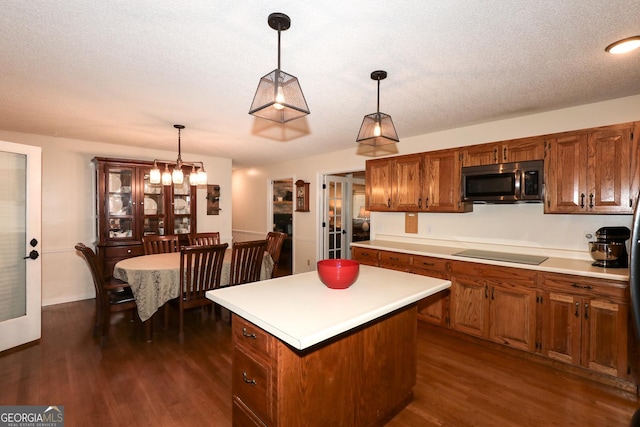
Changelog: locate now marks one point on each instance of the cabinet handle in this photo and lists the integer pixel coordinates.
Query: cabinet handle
(247, 334)
(493, 293)
(420, 203)
(393, 258)
(389, 202)
(577, 313)
(586, 311)
(426, 203)
(486, 291)
(575, 285)
(429, 264)
(504, 153)
(591, 200)
(128, 251)
(582, 200)
(247, 380)
(495, 154)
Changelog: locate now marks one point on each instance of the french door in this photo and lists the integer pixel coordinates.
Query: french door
(20, 228)
(337, 217)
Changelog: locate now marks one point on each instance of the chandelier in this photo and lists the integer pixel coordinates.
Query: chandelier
(196, 177)
(377, 128)
(279, 97)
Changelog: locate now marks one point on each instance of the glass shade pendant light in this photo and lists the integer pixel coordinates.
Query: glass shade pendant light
(624, 45)
(377, 128)
(176, 176)
(279, 97)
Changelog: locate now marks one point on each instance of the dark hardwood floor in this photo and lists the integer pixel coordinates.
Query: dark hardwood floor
(161, 383)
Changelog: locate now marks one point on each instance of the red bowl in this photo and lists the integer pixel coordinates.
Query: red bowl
(338, 273)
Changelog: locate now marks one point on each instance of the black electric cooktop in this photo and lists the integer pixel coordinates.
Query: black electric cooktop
(502, 256)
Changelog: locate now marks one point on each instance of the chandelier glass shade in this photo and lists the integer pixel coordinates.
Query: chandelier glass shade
(279, 97)
(377, 128)
(198, 175)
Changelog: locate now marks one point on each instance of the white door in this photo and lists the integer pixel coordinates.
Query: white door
(20, 263)
(337, 217)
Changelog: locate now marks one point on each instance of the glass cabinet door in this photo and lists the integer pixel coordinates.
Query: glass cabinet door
(182, 208)
(154, 206)
(119, 203)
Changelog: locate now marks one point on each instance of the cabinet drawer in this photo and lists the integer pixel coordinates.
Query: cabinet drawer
(123, 251)
(577, 285)
(242, 416)
(252, 384)
(516, 276)
(428, 266)
(366, 256)
(249, 335)
(395, 260)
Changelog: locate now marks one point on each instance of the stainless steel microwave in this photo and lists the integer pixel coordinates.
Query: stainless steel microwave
(504, 182)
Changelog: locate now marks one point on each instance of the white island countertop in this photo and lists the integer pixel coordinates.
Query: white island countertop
(302, 311)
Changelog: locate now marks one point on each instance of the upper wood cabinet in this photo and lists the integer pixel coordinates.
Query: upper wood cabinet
(518, 150)
(129, 207)
(592, 172)
(441, 187)
(427, 182)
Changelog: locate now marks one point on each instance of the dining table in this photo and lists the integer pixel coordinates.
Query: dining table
(155, 279)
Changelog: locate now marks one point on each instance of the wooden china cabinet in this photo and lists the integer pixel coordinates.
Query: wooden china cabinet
(129, 207)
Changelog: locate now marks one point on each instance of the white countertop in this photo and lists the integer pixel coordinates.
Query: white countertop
(579, 267)
(302, 311)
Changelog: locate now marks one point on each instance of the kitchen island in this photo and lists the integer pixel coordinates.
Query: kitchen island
(308, 355)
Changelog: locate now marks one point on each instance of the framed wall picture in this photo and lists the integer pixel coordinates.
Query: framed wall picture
(213, 200)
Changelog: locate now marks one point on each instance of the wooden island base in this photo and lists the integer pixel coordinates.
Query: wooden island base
(363, 377)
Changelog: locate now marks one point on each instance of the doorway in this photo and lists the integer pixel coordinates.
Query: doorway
(283, 222)
(344, 214)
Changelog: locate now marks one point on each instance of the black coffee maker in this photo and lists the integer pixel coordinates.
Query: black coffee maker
(610, 250)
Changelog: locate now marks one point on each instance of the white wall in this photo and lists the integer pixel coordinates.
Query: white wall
(68, 206)
(520, 225)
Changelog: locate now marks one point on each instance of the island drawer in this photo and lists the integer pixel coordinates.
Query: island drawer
(253, 384)
(249, 335)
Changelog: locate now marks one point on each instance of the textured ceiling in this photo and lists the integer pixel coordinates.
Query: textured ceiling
(124, 72)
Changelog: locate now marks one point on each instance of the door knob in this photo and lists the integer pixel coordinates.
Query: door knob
(33, 255)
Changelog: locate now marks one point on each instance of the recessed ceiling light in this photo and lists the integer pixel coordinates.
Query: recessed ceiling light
(624, 45)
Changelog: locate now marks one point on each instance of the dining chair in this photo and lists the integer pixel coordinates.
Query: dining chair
(112, 295)
(274, 246)
(154, 244)
(199, 239)
(246, 261)
(200, 271)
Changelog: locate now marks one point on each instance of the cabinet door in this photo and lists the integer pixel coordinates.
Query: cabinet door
(378, 184)
(563, 328)
(406, 191)
(441, 182)
(605, 346)
(469, 305)
(154, 205)
(483, 154)
(566, 183)
(609, 167)
(522, 150)
(512, 316)
(434, 309)
(120, 204)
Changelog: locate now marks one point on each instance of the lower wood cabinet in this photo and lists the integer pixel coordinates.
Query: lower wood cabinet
(581, 321)
(497, 303)
(361, 378)
(586, 323)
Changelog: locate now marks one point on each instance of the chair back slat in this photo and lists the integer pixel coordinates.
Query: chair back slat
(246, 261)
(95, 268)
(200, 270)
(274, 247)
(154, 244)
(200, 239)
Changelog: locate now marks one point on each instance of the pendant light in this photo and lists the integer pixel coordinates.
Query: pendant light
(377, 128)
(167, 177)
(279, 97)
